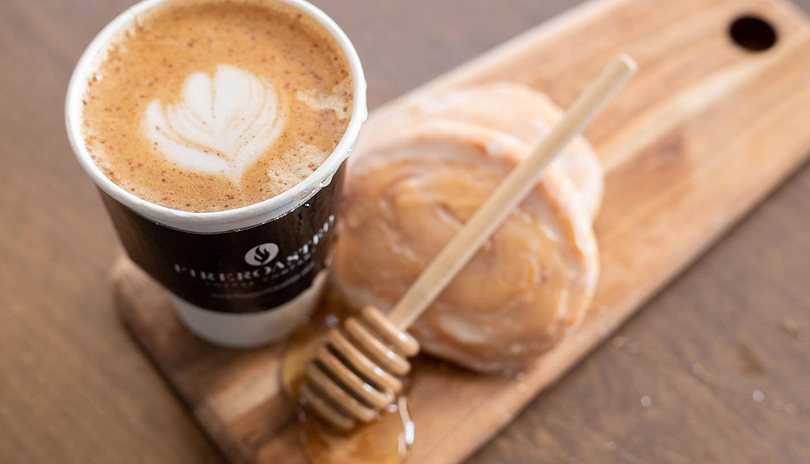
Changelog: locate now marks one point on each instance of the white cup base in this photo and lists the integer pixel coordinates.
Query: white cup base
(250, 330)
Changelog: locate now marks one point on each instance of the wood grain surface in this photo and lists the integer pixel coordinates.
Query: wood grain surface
(719, 358)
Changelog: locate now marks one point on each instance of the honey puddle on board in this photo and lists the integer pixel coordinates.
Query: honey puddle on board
(385, 441)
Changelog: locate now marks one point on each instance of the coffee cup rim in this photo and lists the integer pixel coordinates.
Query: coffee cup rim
(218, 221)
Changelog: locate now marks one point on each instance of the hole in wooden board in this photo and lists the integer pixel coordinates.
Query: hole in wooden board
(753, 33)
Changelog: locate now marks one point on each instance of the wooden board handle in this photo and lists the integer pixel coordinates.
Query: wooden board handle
(461, 248)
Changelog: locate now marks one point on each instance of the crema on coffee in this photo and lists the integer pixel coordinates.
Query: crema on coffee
(210, 105)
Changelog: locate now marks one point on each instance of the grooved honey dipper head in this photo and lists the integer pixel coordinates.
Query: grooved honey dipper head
(358, 371)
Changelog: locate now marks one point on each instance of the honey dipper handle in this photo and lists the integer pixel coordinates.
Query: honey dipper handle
(461, 248)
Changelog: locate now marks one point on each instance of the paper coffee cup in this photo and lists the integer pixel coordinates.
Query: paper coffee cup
(242, 277)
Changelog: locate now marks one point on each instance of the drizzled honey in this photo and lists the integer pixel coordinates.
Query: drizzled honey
(385, 441)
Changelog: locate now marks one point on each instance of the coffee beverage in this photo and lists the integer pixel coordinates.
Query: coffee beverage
(211, 105)
(217, 133)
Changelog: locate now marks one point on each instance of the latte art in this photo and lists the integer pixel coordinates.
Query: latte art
(220, 125)
(211, 105)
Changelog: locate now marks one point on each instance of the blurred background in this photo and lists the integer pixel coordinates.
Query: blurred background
(713, 369)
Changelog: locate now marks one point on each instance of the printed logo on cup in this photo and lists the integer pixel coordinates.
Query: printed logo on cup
(239, 271)
(261, 254)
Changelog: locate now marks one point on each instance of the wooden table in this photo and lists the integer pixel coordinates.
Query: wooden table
(715, 369)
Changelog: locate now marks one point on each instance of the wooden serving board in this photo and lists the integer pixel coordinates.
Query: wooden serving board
(698, 138)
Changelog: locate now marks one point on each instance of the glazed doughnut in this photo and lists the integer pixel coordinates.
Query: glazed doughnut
(408, 195)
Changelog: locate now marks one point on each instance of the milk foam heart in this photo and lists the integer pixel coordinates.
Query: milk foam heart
(218, 126)
(198, 106)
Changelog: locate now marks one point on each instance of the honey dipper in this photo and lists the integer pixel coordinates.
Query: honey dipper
(358, 370)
